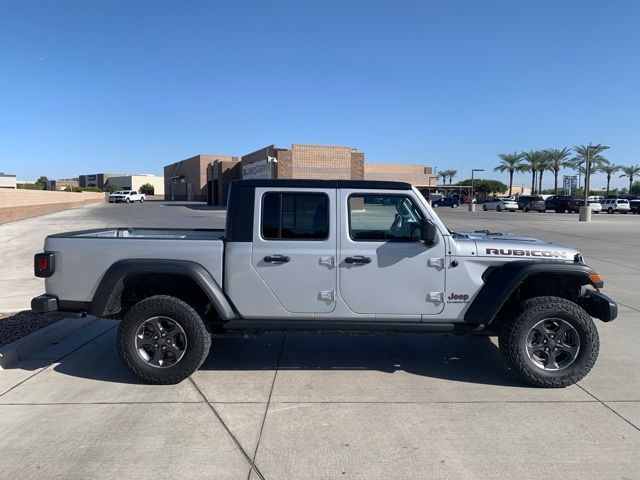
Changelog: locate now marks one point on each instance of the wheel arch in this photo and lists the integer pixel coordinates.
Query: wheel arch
(508, 285)
(124, 275)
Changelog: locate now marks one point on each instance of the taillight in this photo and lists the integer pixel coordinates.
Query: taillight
(44, 264)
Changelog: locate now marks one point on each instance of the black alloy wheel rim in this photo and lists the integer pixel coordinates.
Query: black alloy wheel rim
(552, 344)
(161, 342)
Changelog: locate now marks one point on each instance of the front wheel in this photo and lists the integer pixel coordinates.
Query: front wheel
(525, 209)
(142, 200)
(609, 210)
(162, 340)
(127, 200)
(498, 208)
(484, 207)
(455, 205)
(551, 342)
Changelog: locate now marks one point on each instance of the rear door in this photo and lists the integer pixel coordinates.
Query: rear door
(294, 247)
(383, 269)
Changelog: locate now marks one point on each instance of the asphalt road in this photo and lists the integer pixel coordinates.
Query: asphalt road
(303, 406)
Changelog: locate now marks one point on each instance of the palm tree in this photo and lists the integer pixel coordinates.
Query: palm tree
(558, 159)
(544, 164)
(580, 159)
(608, 168)
(630, 171)
(533, 159)
(510, 162)
(451, 174)
(443, 174)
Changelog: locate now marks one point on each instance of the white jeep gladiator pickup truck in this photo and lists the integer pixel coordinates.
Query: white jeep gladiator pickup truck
(327, 256)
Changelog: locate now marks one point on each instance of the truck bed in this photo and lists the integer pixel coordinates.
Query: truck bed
(147, 233)
(82, 257)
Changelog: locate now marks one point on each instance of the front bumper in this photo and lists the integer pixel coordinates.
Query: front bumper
(44, 303)
(599, 306)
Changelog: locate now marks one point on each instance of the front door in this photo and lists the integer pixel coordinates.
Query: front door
(383, 268)
(294, 247)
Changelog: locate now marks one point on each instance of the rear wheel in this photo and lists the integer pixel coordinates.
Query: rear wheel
(127, 200)
(551, 343)
(609, 210)
(498, 208)
(162, 340)
(484, 207)
(525, 209)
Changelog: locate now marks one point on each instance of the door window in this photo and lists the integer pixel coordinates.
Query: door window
(295, 216)
(383, 218)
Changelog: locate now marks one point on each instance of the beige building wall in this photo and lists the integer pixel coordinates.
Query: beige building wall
(414, 174)
(134, 182)
(320, 161)
(18, 204)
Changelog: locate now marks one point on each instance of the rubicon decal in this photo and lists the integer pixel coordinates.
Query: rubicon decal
(509, 252)
(458, 298)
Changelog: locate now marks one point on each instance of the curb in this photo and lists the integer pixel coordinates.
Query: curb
(26, 346)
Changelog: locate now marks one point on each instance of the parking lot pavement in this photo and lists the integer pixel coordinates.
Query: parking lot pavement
(301, 406)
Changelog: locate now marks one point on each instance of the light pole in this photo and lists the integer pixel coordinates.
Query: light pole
(585, 210)
(472, 206)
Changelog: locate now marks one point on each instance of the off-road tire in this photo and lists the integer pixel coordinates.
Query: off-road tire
(514, 331)
(198, 339)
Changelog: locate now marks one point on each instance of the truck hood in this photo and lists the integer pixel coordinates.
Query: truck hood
(493, 244)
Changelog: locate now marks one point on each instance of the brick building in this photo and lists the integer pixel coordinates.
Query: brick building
(207, 177)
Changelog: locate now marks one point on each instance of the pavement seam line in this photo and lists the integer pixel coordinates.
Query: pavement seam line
(266, 408)
(607, 406)
(56, 360)
(252, 466)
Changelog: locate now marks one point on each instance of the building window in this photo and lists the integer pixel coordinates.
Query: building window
(295, 216)
(383, 218)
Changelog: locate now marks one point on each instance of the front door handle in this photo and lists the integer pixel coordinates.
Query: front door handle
(276, 259)
(358, 260)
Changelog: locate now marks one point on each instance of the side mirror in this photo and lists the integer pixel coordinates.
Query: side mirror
(428, 233)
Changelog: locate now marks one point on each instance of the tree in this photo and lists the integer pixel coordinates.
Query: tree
(608, 168)
(533, 159)
(558, 159)
(580, 160)
(487, 187)
(635, 188)
(544, 164)
(443, 174)
(510, 162)
(630, 171)
(112, 187)
(451, 175)
(147, 189)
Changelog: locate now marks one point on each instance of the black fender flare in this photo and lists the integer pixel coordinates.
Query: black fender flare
(110, 286)
(505, 279)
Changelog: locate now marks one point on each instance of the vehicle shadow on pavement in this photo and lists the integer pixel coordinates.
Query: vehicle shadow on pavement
(470, 359)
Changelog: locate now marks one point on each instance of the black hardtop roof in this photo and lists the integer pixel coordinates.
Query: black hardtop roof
(293, 183)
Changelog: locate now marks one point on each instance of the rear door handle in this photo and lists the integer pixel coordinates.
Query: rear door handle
(276, 259)
(358, 260)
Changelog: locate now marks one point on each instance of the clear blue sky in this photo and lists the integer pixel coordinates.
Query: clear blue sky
(89, 86)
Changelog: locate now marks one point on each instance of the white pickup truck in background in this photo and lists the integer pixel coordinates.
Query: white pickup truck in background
(127, 196)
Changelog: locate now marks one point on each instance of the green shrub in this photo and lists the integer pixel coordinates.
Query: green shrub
(147, 189)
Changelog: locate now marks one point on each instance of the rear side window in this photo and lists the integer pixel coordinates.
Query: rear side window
(295, 216)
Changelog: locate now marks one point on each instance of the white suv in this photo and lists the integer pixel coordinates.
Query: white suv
(612, 205)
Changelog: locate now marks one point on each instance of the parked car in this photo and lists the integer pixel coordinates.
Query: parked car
(452, 202)
(596, 206)
(316, 256)
(500, 204)
(612, 205)
(634, 206)
(563, 203)
(531, 202)
(127, 196)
